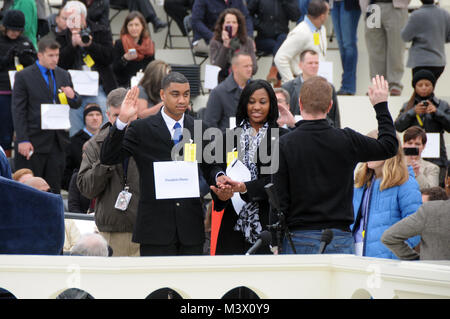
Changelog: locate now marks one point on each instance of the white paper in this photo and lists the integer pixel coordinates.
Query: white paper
(298, 118)
(136, 79)
(55, 117)
(12, 75)
(433, 146)
(237, 171)
(176, 179)
(232, 122)
(211, 76)
(85, 82)
(326, 70)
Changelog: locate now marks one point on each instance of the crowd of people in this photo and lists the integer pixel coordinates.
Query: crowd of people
(370, 191)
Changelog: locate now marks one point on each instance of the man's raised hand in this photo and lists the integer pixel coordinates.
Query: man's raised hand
(379, 90)
(129, 109)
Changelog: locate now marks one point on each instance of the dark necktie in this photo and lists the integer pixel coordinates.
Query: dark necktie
(51, 85)
(178, 134)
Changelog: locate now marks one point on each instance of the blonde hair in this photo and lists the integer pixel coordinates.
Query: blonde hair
(395, 172)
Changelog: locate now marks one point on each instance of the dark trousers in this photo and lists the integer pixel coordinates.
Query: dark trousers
(49, 166)
(175, 249)
(6, 128)
(177, 10)
(145, 7)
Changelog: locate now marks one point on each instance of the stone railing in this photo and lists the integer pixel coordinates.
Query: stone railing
(212, 277)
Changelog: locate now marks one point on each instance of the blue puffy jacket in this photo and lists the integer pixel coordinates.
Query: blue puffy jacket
(385, 209)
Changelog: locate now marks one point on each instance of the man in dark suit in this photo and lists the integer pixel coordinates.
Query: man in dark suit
(309, 64)
(36, 148)
(163, 226)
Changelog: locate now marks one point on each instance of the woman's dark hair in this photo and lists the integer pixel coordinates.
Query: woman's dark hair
(242, 30)
(247, 92)
(132, 15)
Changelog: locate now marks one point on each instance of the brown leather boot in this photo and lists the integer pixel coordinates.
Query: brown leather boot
(272, 76)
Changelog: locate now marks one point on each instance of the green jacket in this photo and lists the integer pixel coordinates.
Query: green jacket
(28, 7)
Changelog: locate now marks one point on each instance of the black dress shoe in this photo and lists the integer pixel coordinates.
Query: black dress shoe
(159, 25)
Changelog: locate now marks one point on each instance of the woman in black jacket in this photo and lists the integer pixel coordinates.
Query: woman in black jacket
(17, 52)
(254, 141)
(134, 50)
(424, 109)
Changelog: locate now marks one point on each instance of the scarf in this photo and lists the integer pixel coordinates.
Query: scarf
(146, 48)
(248, 220)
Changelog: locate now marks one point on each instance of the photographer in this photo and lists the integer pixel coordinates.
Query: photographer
(17, 52)
(424, 109)
(86, 46)
(414, 142)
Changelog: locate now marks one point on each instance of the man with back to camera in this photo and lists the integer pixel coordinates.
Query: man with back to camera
(316, 164)
(163, 226)
(39, 149)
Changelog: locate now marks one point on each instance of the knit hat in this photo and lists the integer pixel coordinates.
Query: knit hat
(14, 20)
(92, 107)
(423, 75)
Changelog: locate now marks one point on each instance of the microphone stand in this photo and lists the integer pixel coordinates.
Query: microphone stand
(280, 227)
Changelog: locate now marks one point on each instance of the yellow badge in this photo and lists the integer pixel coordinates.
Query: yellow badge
(316, 38)
(19, 67)
(62, 98)
(88, 61)
(190, 151)
(231, 156)
(363, 233)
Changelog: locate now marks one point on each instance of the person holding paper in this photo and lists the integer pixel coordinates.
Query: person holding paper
(424, 109)
(255, 140)
(164, 225)
(43, 83)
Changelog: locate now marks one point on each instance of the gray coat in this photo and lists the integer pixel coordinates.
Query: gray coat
(222, 104)
(432, 223)
(429, 29)
(104, 183)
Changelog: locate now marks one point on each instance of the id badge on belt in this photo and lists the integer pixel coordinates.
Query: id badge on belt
(123, 200)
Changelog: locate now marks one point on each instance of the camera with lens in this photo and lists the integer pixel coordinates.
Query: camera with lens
(85, 35)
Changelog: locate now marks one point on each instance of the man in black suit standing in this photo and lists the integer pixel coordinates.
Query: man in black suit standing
(163, 227)
(41, 150)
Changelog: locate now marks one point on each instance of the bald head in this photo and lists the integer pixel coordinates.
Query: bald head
(38, 183)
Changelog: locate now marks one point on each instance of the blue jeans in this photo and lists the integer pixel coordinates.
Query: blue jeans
(308, 242)
(76, 115)
(303, 5)
(345, 24)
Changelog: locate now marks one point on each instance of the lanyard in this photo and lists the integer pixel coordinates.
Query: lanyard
(125, 171)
